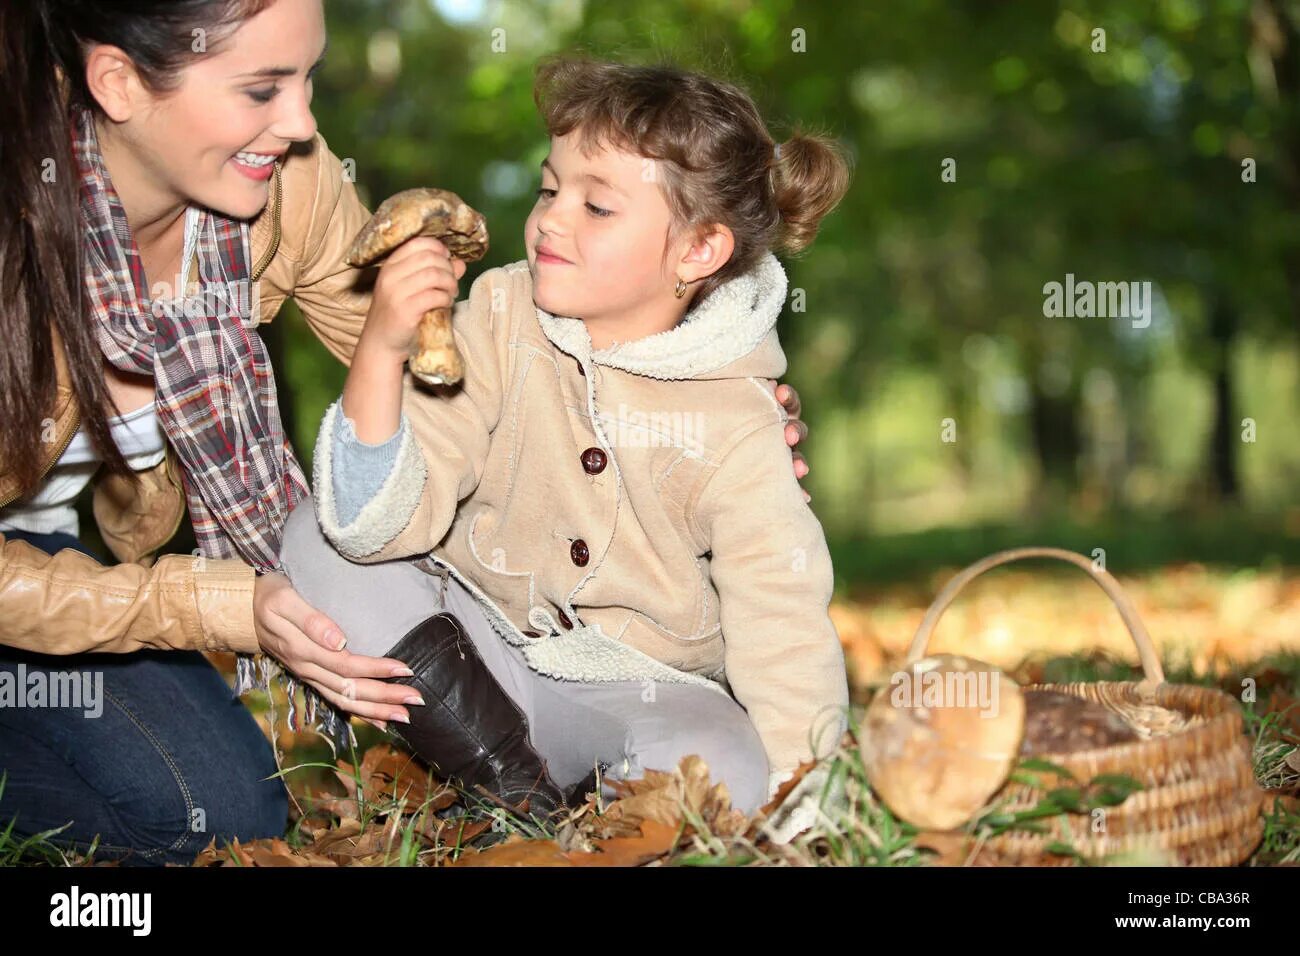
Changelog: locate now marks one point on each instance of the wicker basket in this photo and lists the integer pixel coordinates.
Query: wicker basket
(1201, 804)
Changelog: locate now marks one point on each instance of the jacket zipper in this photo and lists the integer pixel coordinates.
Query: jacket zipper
(76, 418)
(275, 225)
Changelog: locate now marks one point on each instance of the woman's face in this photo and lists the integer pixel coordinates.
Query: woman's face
(605, 216)
(208, 142)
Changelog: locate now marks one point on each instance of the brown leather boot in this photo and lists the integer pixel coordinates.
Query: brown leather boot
(469, 728)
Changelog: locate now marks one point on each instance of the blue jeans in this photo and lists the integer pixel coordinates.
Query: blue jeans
(157, 761)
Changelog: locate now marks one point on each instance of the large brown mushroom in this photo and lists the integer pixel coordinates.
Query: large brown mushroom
(941, 739)
(444, 216)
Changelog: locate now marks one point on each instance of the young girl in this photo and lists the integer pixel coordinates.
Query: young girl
(604, 514)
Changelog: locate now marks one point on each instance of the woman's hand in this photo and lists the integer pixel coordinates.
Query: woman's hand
(796, 430)
(310, 645)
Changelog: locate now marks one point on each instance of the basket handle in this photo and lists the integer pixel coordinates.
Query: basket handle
(1146, 650)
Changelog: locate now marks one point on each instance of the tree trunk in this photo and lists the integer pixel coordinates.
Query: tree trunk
(1054, 425)
(1225, 436)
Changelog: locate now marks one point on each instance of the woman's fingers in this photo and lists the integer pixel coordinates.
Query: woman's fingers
(301, 650)
(290, 606)
(353, 705)
(382, 700)
(318, 628)
(362, 665)
(795, 432)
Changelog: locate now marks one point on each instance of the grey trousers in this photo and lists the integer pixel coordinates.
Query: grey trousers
(630, 726)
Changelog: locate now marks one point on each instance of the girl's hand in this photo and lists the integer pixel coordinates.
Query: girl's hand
(418, 276)
(796, 430)
(308, 643)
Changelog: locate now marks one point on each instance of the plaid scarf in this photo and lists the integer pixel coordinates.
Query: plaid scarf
(216, 395)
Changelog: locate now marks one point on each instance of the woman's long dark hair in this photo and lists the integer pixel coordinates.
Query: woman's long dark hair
(43, 77)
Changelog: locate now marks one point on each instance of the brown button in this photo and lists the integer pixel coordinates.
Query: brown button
(593, 460)
(533, 633)
(578, 551)
(564, 619)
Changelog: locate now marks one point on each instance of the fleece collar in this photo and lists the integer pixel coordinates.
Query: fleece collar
(731, 333)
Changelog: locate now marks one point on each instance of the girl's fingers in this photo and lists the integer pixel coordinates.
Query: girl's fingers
(422, 295)
(795, 432)
(425, 272)
(412, 248)
(402, 270)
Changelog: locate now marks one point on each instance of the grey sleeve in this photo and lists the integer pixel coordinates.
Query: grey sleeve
(360, 468)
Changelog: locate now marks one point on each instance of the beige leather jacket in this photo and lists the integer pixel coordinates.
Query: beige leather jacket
(68, 602)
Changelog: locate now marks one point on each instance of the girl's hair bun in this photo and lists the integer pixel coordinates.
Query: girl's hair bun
(810, 177)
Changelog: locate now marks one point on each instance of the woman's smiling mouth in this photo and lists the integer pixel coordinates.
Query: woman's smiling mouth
(259, 166)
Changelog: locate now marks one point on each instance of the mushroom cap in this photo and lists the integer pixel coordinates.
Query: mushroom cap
(421, 212)
(942, 738)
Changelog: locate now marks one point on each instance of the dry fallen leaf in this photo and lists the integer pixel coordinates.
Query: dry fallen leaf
(345, 807)
(516, 853)
(276, 852)
(660, 796)
(653, 841)
(269, 852)
(387, 773)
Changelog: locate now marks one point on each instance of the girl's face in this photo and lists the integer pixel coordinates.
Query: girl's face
(595, 240)
(209, 141)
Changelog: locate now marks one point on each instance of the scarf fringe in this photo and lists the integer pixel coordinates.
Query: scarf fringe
(256, 672)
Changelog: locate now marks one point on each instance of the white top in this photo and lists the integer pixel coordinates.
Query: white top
(138, 434)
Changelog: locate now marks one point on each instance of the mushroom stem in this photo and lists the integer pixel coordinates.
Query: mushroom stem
(444, 216)
(436, 360)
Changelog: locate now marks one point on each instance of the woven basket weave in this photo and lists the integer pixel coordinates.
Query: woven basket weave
(1200, 804)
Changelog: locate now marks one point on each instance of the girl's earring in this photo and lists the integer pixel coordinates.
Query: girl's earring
(681, 288)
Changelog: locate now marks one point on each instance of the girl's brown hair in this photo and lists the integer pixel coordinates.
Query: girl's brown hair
(43, 73)
(716, 156)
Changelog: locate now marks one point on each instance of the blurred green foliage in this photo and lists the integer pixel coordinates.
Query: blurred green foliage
(1170, 156)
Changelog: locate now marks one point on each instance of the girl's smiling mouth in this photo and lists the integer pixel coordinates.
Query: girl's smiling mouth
(546, 255)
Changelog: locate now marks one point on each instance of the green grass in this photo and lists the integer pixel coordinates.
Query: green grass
(1134, 542)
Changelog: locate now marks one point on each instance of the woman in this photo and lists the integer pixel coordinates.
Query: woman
(194, 105)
